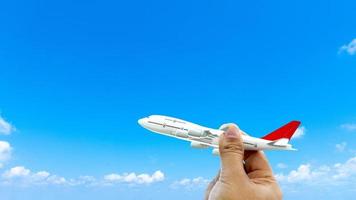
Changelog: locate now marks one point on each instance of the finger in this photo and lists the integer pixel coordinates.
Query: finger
(211, 185)
(256, 165)
(231, 154)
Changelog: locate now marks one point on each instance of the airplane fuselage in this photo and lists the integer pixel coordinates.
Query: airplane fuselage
(200, 136)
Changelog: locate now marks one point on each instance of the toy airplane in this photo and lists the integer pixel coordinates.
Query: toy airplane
(203, 137)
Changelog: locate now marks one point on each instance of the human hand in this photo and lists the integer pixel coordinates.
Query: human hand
(244, 174)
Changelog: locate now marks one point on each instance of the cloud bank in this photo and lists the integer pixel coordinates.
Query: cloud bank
(339, 174)
(132, 178)
(21, 176)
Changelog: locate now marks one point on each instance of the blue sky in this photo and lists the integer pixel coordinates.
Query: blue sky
(76, 76)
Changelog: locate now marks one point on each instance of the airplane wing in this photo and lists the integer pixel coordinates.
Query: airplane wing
(203, 141)
(207, 140)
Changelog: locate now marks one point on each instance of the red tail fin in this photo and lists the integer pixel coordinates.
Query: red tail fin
(285, 131)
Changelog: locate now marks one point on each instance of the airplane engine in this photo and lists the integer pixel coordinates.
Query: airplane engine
(198, 145)
(197, 133)
(216, 152)
(181, 133)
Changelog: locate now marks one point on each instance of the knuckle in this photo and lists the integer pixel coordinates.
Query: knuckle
(232, 148)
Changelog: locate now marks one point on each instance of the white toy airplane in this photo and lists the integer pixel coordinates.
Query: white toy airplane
(203, 137)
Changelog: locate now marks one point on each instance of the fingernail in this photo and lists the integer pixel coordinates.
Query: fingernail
(231, 132)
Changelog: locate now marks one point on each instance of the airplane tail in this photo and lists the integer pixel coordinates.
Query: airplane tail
(284, 133)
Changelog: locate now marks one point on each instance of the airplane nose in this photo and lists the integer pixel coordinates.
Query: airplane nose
(141, 121)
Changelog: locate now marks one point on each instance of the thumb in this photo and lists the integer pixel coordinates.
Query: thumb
(231, 153)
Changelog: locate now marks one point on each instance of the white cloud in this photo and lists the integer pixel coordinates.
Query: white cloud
(187, 183)
(299, 132)
(21, 176)
(132, 178)
(303, 173)
(83, 180)
(282, 166)
(18, 171)
(5, 127)
(341, 147)
(57, 180)
(349, 48)
(339, 174)
(40, 176)
(5, 152)
(346, 170)
(112, 177)
(349, 126)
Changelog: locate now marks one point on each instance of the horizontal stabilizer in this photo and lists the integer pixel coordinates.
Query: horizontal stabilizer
(281, 142)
